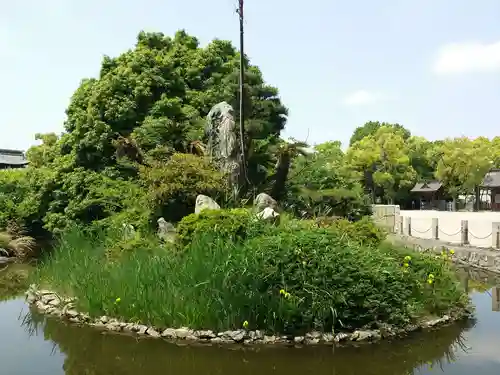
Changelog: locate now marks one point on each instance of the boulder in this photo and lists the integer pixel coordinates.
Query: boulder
(263, 201)
(205, 203)
(268, 214)
(166, 230)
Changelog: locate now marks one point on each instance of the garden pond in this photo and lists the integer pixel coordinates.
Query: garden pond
(31, 344)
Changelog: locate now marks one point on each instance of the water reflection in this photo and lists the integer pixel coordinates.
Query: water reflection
(55, 348)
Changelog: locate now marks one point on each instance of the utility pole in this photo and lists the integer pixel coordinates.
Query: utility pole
(242, 94)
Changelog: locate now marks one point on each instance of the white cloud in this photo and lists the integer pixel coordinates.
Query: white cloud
(470, 57)
(363, 97)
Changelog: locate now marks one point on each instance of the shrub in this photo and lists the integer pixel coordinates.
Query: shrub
(234, 224)
(364, 232)
(287, 281)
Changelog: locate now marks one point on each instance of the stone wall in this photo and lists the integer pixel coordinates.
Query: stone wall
(485, 259)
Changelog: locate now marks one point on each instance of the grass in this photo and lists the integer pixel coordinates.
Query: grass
(16, 246)
(13, 280)
(286, 281)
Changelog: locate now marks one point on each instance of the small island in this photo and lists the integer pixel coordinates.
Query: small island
(155, 214)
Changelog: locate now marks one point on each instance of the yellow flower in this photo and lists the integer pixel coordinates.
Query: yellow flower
(430, 281)
(406, 265)
(287, 295)
(118, 300)
(282, 292)
(245, 324)
(431, 276)
(407, 258)
(452, 251)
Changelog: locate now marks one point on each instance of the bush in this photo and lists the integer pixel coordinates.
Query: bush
(287, 281)
(234, 224)
(364, 232)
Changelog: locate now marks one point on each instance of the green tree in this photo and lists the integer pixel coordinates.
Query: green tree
(461, 163)
(159, 94)
(371, 127)
(318, 187)
(381, 162)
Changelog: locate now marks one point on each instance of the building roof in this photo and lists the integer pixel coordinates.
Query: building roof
(492, 179)
(12, 158)
(424, 187)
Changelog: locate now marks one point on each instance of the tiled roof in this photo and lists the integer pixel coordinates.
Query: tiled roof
(12, 157)
(492, 178)
(421, 187)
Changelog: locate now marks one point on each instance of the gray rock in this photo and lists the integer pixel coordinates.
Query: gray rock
(313, 335)
(113, 327)
(263, 201)
(205, 334)
(269, 339)
(142, 329)
(341, 337)
(169, 333)
(216, 340)
(182, 333)
(191, 338)
(128, 231)
(268, 214)
(205, 203)
(238, 336)
(72, 313)
(74, 320)
(166, 230)
(104, 319)
(152, 332)
(298, 339)
(327, 337)
(55, 302)
(365, 336)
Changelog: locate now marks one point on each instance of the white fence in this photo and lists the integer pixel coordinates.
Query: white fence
(480, 229)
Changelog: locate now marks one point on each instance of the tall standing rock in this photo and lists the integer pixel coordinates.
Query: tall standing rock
(222, 144)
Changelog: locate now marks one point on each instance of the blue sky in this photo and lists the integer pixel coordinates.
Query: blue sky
(433, 66)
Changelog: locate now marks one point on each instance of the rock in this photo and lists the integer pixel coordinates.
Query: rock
(269, 339)
(365, 336)
(327, 337)
(47, 298)
(205, 203)
(166, 230)
(104, 319)
(182, 333)
(74, 320)
(205, 334)
(169, 333)
(216, 340)
(259, 335)
(238, 336)
(341, 337)
(191, 338)
(268, 214)
(128, 231)
(313, 335)
(152, 332)
(263, 201)
(72, 313)
(298, 339)
(142, 329)
(113, 326)
(55, 302)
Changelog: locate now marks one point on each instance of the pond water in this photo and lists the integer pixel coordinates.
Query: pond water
(30, 344)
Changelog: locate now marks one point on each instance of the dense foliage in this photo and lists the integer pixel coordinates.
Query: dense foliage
(287, 278)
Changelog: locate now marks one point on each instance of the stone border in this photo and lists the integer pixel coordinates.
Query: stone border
(50, 303)
(481, 258)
